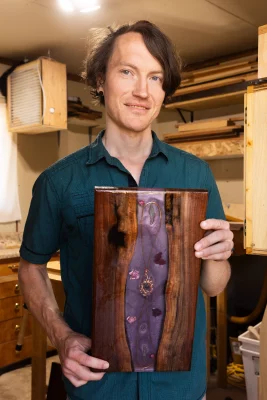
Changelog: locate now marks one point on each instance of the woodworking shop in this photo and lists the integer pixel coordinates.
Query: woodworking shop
(133, 211)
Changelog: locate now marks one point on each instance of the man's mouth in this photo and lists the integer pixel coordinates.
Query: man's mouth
(137, 106)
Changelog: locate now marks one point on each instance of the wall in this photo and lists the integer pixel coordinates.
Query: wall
(37, 152)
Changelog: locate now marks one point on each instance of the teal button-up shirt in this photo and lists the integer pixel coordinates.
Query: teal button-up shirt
(61, 216)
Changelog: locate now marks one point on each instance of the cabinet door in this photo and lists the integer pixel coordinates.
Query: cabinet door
(256, 170)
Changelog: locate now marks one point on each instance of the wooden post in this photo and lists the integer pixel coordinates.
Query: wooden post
(38, 361)
(262, 52)
(222, 339)
(208, 321)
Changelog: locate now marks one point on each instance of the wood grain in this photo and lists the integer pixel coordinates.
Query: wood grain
(262, 52)
(184, 212)
(115, 237)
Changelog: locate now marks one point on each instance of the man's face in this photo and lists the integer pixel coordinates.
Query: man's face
(133, 86)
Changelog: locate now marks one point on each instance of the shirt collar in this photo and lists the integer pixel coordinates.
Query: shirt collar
(97, 150)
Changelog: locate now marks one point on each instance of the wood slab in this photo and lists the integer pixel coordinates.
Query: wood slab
(262, 52)
(115, 236)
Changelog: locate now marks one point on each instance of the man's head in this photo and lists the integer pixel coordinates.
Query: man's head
(132, 70)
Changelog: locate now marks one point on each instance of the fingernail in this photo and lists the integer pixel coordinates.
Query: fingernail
(106, 365)
(203, 224)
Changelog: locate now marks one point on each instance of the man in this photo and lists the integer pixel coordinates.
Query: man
(131, 71)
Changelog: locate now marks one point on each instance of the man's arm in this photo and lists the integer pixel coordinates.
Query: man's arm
(72, 347)
(214, 249)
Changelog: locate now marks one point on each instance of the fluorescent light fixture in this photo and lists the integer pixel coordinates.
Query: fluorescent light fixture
(66, 5)
(84, 6)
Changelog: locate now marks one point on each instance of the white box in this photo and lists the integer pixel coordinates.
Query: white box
(250, 350)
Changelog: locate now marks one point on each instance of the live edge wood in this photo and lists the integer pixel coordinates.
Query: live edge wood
(116, 228)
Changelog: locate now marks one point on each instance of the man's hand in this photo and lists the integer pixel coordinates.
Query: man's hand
(75, 362)
(218, 241)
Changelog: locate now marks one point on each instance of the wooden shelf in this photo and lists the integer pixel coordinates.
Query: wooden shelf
(203, 103)
(214, 149)
(82, 122)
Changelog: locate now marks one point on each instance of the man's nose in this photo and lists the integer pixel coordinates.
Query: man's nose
(141, 88)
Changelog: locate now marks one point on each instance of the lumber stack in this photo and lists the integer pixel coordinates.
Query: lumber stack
(77, 110)
(208, 129)
(218, 83)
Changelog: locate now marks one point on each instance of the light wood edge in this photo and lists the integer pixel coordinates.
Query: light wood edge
(262, 29)
(248, 168)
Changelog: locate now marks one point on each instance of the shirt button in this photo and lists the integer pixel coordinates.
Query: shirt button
(143, 328)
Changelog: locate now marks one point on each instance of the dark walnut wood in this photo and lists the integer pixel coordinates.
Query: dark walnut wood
(115, 234)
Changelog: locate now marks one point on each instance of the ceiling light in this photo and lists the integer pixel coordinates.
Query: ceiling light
(83, 6)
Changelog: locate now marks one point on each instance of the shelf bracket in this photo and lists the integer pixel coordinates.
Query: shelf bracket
(181, 112)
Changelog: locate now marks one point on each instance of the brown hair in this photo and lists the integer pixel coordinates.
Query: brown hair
(157, 43)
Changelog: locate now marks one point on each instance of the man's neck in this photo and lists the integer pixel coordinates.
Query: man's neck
(124, 144)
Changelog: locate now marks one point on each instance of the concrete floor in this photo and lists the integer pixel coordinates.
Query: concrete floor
(16, 385)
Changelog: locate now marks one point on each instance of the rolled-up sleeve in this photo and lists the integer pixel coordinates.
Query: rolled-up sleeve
(42, 229)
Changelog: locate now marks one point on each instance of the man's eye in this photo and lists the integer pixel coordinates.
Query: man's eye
(156, 78)
(125, 72)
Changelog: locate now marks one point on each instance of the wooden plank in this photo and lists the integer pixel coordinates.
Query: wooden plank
(205, 124)
(232, 117)
(224, 74)
(54, 77)
(39, 347)
(208, 334)
(215, 84)
(209, 102)
(205, 133)
(256, 174)
(262, 52)
(263, 358)
(221, 312)
(218, 68)
(214, 149)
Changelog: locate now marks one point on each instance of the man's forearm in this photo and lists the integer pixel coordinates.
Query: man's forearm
(214, 276)
(39, 297)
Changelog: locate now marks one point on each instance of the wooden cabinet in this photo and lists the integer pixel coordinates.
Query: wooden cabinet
(12, 311)
(255, 239)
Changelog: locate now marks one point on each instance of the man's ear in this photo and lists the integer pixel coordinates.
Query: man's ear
(100, 85)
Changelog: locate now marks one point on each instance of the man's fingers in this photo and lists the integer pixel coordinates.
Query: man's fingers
(216, 249)
(214, 237)
(215, 224)
(90, 361)
(218, 256)
(80, 372)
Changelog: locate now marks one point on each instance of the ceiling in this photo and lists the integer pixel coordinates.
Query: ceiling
(200, 29)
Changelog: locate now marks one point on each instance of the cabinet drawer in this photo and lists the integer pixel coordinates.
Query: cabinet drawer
(8, 352)
(9, 330)
(8, 289)
(11, 307)
(9, 268)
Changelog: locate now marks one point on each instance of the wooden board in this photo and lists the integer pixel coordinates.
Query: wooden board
(204, 124)
(219, 75)
(204, 134)
(215, 84)
(235, 212)
(262, 52)
(214, 149)
(54, 78)
(123, 220)
(233, 117)
(220, 100)
(255, 171)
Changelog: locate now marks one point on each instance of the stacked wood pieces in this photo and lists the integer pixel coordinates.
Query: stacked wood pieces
(77, 110)
(215, 85)
(218, 128)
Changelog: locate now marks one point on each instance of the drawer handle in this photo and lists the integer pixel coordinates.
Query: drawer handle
(14, 267)
(17, 306)
(16, 288)
(17, 328)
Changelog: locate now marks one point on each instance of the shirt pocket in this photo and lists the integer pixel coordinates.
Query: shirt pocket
(84, 211)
